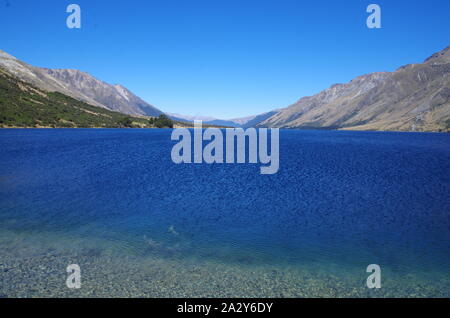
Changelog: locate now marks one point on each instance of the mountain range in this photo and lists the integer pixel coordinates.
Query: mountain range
(415, 97)
(243, 122)
(79, 85)
(24, 105)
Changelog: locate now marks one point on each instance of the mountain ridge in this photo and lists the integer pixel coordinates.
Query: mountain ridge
(23, 105)
(241, 122)
(79, 85)
(415, 97)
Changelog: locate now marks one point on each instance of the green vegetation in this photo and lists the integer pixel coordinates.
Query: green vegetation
(23, 105)
(161, 122)
(126, 122)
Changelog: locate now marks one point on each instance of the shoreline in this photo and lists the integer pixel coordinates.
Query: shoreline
(32, 267)
(208, 126)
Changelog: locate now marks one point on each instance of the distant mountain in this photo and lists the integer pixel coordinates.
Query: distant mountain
(221, 122)
(189, 117)
(79, 85)
(416, 97)
(205, 120)
(243, 122)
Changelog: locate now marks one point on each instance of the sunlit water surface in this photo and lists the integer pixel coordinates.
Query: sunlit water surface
(139, 225)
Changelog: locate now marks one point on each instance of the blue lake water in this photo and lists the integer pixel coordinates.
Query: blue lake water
(340, 201)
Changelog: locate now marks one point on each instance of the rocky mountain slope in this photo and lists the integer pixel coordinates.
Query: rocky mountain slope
(79, 85)
(415, 97)
(25, 105)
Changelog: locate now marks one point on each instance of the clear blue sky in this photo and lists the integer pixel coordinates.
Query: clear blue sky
(224, 58)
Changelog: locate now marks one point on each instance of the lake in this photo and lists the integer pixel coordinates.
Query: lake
(138, 225)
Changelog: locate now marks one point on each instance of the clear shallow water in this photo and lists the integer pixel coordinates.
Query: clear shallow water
(340, 201)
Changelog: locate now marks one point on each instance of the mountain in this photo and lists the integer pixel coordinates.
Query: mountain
(207, 120)
(415, 97)
(24, 105)
(79, 85)
(189, 117)
(243, 122)
(255, 120)
(222, 122)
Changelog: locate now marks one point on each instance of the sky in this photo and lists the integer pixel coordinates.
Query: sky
(224, 58)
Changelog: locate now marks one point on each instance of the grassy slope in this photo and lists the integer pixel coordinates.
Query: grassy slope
(22, 105)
